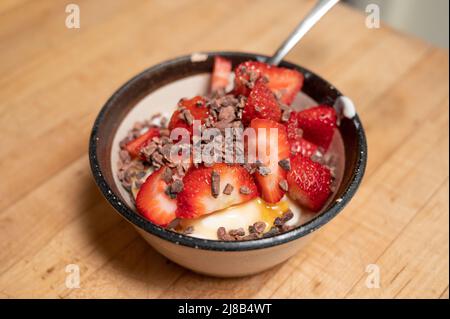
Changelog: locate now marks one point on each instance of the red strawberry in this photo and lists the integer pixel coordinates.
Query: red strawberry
(285, 82)
(134, 147)
(297, 142)
(303, 147)
(318, 124)
(261, 103)
(196, 198)
(153, 203)
(269, 182)
(309, 182)
(221, 73)
(197, 108)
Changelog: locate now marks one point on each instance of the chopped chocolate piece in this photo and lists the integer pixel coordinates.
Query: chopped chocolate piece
(287, 215)
(223, 235)
(263, 170)
(157, 158)
(285, 116)
(237, 232)
(180, 170)
(244, 190)
(221, 231)
(227, 114)
(272, 232)
(177, 186)
(165, 151)
(284, 185)
(259, 227)
(169, 193)
(285, 164)
(278, 222)
(148, 150)
(124, 156)
(228, 189)
(215, 184)
(251, 236)
(187, 116)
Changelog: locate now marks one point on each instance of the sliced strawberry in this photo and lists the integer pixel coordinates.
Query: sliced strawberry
(261, 103)
(318, 124)
(297, 142)
(221, 73)
(197, 108)
(303, 147)
(282, 81)
(153, 203)
(196, 198)
(268, 181)
(134, 147)
(309, 182)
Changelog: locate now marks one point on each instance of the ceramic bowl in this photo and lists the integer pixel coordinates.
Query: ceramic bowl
(158, 89)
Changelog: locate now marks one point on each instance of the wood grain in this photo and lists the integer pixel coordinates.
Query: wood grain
(54, 80)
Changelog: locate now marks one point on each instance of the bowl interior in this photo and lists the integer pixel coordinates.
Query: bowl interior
(158, 89)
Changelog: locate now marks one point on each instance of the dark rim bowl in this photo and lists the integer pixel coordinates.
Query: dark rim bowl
(123, 100)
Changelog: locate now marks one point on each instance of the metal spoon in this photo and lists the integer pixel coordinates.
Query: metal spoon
(316, 13)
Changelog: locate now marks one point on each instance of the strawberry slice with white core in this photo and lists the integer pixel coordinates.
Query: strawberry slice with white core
(309, 182)
(271, 146)
(286, 83)
(261, 103)
(221, 73)
(297, 142)
(153, 203)
(197, 197)
(134, 147)
(318, 125)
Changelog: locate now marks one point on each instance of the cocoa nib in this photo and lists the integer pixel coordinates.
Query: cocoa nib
(244, 190)
(177, 186)
(167, 175)
(263, 170)
(285, 164)
(257, 228)
(237, 232)
(284, 185)
(215, 184)
(223, 235)
(228, 189)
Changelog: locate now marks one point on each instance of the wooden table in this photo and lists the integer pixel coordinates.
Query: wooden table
(54, 81)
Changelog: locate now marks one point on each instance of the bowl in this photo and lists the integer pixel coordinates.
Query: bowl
(158, 89)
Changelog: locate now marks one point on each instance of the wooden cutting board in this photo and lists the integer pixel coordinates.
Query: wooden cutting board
(54, 80)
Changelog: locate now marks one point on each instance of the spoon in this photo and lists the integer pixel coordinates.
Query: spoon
(316, 13)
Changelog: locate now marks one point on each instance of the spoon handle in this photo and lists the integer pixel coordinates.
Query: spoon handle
(317, 12)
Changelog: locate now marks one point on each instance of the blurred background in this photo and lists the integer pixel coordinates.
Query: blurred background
(425, 19)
